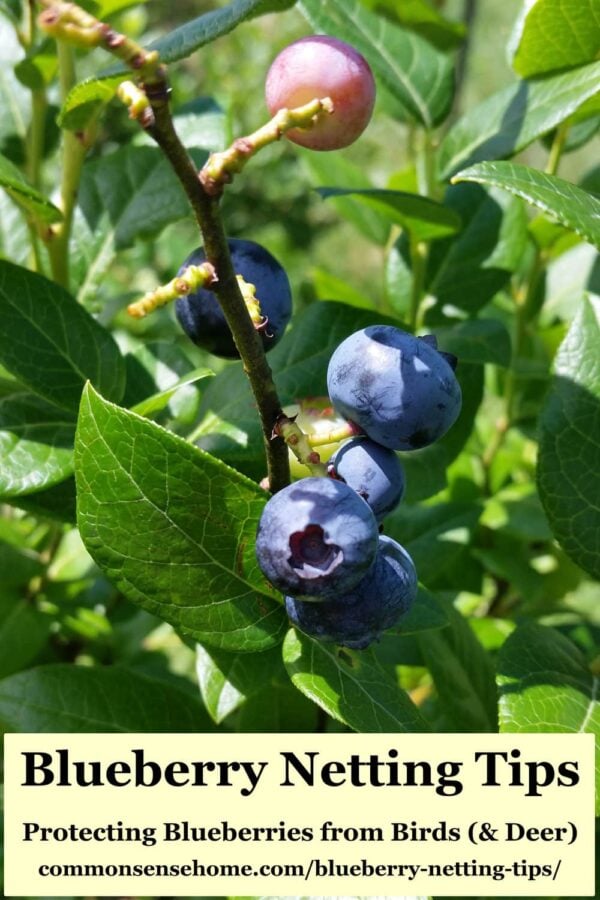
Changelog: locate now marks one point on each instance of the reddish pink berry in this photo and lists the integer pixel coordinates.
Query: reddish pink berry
(316, 67)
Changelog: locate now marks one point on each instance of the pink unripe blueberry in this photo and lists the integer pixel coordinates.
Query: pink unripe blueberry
(316, 67)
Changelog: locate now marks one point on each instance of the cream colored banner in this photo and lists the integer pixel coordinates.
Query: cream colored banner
(339, 814)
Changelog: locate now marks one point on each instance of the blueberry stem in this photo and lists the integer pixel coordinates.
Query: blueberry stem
(220, 168)
(347, 430)
(299, 444)
(70, 22)
(191, 279)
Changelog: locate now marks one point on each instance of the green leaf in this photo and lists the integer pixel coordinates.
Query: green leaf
(173, 528)
(555, 34)
(417, 78)
(425, 219)
(137, 188)
(157, 402)
(50, 343)
(36, 444)
(56, 503)
(351, 686)
(14, 237)
(568, 474)
(477, 341)
(18, 566)
(332, 167)
(278, 709)
(229, 423)
(23, 632)
(546, 686)
(463, 674)
(466, 271)
(569, 204)
(85, 99)
(512, 118)
(425, 613)
(68, 698)
(18, 189)
(419, 16)
(435, 536)
(37, 70)
(228, 679)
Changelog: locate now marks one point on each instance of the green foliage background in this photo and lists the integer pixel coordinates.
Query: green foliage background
(129, 504)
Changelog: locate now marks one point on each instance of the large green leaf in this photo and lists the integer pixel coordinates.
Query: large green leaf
(68, 698)
(173, 528)
(229, 424)
(555, 34)
(352, 687)
(463, 674)
(424, 218)
(545, 686)
(569, 204)
(416, 77)
(50, 343)
(476, 341)
(512, 118)
(18, 188)
(136, 187)
(568, 471)
(36, 444)
(466, 271)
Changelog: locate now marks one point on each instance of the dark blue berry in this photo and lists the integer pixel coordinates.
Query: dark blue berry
(373, 471)
(316, 539)
(398, 388)
(200, 313)
(376, 603)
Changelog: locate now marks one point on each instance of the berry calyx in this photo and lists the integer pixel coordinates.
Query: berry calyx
(316, 539)
(320, 66)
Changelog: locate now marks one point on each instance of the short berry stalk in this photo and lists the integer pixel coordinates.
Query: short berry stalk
(190, 280)
(299, 444)
(221, 167)
(347, 430)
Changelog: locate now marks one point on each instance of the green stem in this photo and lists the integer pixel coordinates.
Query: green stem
(418, 256)
(35, 138)
(558, 145)
(425, 164)
(74, 150)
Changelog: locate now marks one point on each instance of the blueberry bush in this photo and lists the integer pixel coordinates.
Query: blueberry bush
(150, 195)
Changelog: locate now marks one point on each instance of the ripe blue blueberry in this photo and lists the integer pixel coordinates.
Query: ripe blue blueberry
(373, 471)
(359, 617)
(200, 314)
(398, 388)
(316, 539)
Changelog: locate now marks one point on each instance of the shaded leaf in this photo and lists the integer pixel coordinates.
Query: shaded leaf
(512, 118)
(466, 271)
(555, 34)
(477, 341)
(157, 402)
(137, 188)
(23, 632)
(425, 613)
(569, 204)
(568, 474)
(173, 528)
(50, 343)
(56, 503)
(417, 78)
(463, 674)
(546, 687)
(68, 698)
(424, 218)
(18, 189)
(36, 444)
(352, 687)
(228, 679)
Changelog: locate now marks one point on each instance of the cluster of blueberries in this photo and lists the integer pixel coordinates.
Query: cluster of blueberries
(318, 540)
